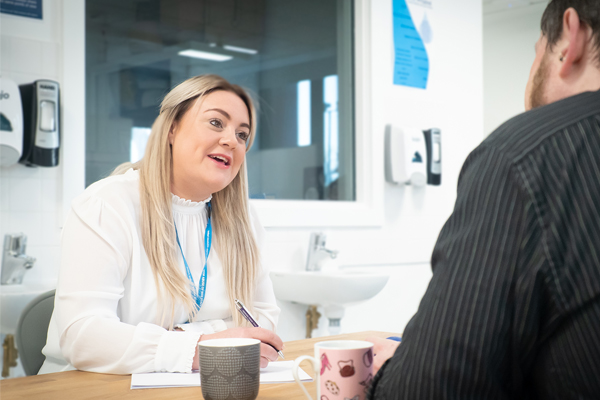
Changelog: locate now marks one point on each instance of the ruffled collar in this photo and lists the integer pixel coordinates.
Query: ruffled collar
(188, 206)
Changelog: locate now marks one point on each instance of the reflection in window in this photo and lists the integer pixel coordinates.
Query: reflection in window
(139, 139)
(330, 129)
(304, 113)
(295, 57)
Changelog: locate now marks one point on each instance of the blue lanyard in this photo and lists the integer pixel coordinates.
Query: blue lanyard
(199, 294)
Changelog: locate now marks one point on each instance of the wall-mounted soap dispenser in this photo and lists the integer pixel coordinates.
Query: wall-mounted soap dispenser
(11, 123)
(406, 156)
(413, 156)
(41, 133)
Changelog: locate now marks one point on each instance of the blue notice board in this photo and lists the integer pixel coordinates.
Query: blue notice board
(411, 63)
(22, 8)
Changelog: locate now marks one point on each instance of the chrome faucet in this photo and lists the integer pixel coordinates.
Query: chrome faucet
(14, 260)
(317, 251)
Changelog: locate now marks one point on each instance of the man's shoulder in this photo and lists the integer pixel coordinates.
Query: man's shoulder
(530, 131)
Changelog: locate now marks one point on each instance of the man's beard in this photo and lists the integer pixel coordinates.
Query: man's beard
(538, 86)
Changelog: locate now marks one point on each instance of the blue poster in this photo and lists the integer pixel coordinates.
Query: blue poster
(411, 63)
(22, 8)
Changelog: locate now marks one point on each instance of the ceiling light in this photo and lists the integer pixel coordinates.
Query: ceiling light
(240, 49)
(205, 55)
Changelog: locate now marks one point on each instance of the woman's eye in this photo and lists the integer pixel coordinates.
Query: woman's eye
(216, 123)
(243, 135)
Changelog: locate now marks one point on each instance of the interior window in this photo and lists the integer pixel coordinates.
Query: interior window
(295, 58)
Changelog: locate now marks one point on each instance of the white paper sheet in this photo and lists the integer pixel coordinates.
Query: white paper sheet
(276, 372)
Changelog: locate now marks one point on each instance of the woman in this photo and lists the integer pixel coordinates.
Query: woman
(135, 266)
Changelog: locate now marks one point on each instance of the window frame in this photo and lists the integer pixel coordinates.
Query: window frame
(366, 210)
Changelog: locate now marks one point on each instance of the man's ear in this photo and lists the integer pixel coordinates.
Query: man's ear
(575, 36)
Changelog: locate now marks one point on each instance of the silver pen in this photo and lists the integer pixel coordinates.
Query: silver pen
(246, 314)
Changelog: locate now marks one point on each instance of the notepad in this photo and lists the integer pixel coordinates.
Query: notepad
(276, 372)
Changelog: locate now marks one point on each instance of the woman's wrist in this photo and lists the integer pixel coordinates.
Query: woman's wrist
(196, 362)
(207, 336)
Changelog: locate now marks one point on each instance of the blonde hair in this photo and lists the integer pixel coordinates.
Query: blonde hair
(233, 236)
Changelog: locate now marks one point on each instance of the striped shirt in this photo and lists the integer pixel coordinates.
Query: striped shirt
(513, 308)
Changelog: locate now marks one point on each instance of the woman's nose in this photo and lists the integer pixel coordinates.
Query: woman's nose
(228, 138)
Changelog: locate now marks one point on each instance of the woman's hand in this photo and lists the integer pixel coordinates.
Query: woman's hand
(267, 353)
(382, 350)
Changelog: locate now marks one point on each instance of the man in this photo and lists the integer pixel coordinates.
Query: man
(513, 307)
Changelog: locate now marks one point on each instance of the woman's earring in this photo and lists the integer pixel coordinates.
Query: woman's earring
(562, 57)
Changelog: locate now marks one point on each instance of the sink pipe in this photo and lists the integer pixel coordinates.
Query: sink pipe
(312, 320)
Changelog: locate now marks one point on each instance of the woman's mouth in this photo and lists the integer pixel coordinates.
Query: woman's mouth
(221, 159)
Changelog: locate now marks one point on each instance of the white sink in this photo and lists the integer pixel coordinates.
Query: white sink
(14, 298)
(331, 290)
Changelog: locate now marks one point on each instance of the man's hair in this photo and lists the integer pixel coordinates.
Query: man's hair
(589, 14)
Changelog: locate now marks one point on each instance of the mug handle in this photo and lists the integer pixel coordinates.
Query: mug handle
(316, 366)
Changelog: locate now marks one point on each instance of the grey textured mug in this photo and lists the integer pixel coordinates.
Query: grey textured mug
(229, 368)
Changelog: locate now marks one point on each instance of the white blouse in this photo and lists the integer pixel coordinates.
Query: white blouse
(105, 315)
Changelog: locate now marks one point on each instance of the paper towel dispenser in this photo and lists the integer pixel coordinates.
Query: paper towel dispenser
(41, 128)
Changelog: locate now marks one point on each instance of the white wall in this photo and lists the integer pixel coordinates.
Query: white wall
(509, 37)
(31, 198)
(413, 217)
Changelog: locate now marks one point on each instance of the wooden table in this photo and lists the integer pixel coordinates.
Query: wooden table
(73, 385)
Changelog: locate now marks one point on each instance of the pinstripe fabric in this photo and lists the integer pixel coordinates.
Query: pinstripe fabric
(513, 308)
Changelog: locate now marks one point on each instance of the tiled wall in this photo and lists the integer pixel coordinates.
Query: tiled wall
(30, 203)
(30, 198)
